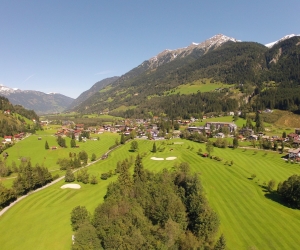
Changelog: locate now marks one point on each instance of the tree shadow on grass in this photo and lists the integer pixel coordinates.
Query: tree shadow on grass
(264, 188)
(274, 196)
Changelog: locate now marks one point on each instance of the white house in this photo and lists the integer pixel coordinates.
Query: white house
(294, 153)
(8, 138)
(220, 135)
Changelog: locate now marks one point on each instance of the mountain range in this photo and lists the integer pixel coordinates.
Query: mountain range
(40, 102)
(249, 70)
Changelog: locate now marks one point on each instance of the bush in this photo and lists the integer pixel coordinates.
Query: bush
(93, 180)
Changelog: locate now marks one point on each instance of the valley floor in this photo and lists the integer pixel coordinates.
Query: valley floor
(251, 217)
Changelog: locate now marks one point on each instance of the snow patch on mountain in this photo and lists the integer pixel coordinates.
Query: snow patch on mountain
(270, 45)
(169, 55)
(4, 89)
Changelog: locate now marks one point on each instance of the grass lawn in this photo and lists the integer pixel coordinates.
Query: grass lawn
(197, 86)
(250, 217)
(34, 149)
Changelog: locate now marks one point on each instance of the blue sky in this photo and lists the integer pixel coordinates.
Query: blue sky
(67, 46)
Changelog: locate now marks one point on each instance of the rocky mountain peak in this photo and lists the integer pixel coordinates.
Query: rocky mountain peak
(169, 55)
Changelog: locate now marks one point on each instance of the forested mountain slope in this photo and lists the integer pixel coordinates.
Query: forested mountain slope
(15, 119)
(251, 68)
(95, 88)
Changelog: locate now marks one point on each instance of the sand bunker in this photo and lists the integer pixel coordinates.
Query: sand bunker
(74, 186)
(157, 159)
(178, 142)
(171, 158)
(161, 159)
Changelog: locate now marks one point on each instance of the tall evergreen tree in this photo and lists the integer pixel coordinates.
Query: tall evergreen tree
(259, 124)
(124, 179)
(235, 142)
(73, 143)
(46, 145)
(122, 140)
(221, 243)
(154, 148)
(139, 172)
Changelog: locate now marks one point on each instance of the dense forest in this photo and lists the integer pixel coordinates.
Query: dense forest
(183, 106)
(167, 210)
(266, 78)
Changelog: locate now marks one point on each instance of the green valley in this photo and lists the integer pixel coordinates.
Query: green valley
(250, 216)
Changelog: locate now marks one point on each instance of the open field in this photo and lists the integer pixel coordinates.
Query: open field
(34, 149)
(78, 118)
(250, 217)
(197, 86)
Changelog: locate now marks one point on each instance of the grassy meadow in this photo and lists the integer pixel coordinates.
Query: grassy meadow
(34, 149)
(250, 217)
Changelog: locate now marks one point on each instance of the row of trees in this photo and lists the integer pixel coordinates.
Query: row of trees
(81, 176)
(149, 211)
(29, 178)
(74, 161)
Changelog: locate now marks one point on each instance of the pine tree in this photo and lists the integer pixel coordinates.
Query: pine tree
(124, 179)
(46, 145)
(259, 124)
(122, 141)
(221, 243)
(73, 143)
(139, 173)
(154, 148)
(235, 142)
(283, 134)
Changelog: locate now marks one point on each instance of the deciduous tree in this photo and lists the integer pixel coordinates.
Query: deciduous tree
(209, 147)
(134, 146)
(69, 176)
(79, 216)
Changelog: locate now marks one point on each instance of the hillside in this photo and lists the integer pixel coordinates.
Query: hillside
(15, 119)
(253, 70)
(94, 89)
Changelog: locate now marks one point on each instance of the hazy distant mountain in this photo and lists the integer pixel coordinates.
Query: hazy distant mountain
(38, 101)
(95, 88)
